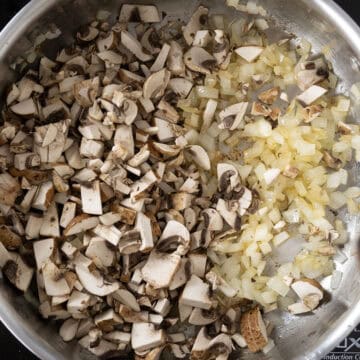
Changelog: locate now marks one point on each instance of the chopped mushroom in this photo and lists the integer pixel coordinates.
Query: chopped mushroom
(199, 60)
(198, 19)
(144, 337)
(204, 346)
(312, 94)
(249, 53)
(94, 283)
(233, 115)
(310, 292)
(253, 330)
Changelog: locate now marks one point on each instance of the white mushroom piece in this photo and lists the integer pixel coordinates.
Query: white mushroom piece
(311, 72)
(199, 156)
(249, 53)
(204, 346)
(155, 85)
(139, 13)
(252, 328)
(199, 60)
(232, 117)
(310, 293)
(311, 94)
(197, 20)
(94, 282)
(173, 243)
(134, 46)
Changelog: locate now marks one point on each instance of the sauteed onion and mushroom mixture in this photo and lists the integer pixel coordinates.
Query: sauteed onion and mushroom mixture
(151, 169)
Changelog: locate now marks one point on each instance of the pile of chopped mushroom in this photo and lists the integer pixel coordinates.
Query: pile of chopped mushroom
(148, 171)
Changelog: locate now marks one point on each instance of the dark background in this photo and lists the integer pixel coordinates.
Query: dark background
(12, 349)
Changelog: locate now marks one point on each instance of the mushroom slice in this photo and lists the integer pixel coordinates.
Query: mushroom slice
(212, 220)
(231, 217)
(182, 200)
(94, 283)
(96, 346)
(175, 61)
(196, 294)
(91, 198)
(124, 147)
(81, 223)
(253, 330)
(312, 94)
(249, 53)
(25, 108)
(87, 34)
(144, 337)
(199, 156)
(310, 292)
(140, 187)
(111, 57)
(202, 38)
(69, 329)
(9, 239)
(127, 298)
(204, 347)
(99, 252)
(139, 13)
(181, 86)
(331, 161)
(55, 283)
(9, 189)
(134, 46)
(181, 276)
(208, 115)
(198, 19)
(143, 225)
(233, 115)
(228, 177)
(155, 84)
(85, 92)
(166, 150)
(312, 112)
(130, 242)
(199, 60)
(221, 47)
(310, 73)
(18, 272)
(12, 95)
(198, 263)
(106, 43)
(110, 233)
(153, 271)
(201, 317)
(44, 196)
(44, 250)
(160, 61)
(128, 111)
(175, 237)
(269, 96)
(78, 302)
(129, 77)
(166, 130)
(118, 337)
